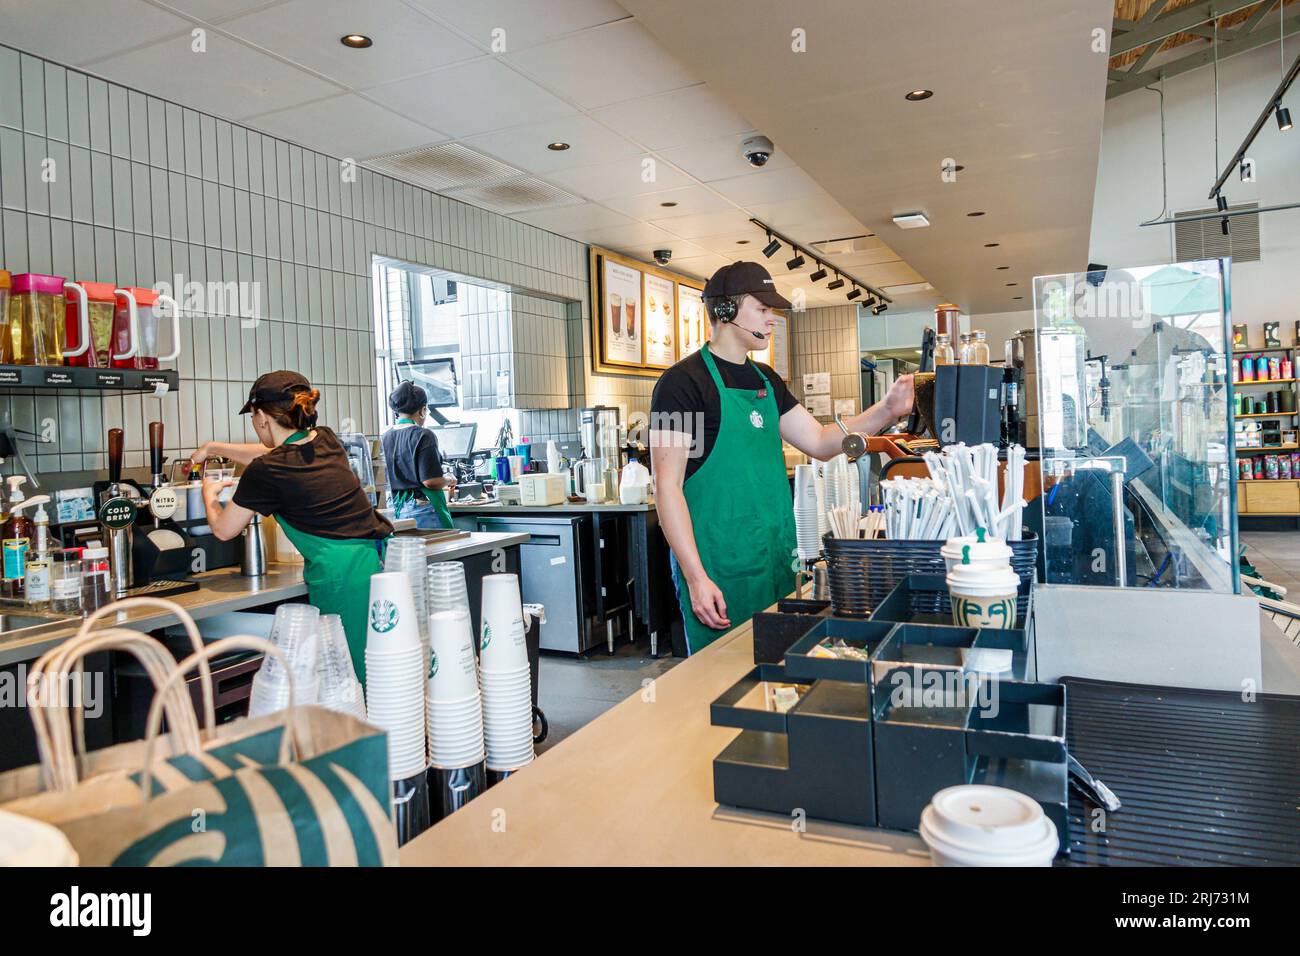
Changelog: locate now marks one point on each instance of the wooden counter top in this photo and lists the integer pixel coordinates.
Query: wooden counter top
(635, 788)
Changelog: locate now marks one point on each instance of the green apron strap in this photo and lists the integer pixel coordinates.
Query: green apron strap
(741, 509)
(337, 573)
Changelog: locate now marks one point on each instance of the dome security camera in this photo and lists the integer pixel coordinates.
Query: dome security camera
(757, 150)
(662, 256)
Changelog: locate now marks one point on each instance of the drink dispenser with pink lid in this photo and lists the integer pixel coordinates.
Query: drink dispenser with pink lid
(35, 321)
(136, 327)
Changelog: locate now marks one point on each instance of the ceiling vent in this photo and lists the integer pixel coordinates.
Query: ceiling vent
(516, 194)
(440, 168)
(1204, 238)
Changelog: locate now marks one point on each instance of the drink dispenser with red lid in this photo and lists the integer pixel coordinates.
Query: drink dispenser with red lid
(88, 324)
(136, 326)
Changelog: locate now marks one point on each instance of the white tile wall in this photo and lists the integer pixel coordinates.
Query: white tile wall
(826, 340)
(145, 189)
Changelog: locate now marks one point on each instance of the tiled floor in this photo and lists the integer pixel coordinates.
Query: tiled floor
(1276, 555)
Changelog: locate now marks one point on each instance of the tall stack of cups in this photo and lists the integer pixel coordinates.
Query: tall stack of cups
(410, 556)
(505, 675)
(296, 633)
(982, 585)
(395, 669)
(452, 697)
(823, 523)
(806, 512)
(339, 688)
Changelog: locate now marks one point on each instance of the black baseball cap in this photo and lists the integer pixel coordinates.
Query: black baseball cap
(275, 387)
(742, 278)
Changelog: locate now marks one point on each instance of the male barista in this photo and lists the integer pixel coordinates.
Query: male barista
(717, 420)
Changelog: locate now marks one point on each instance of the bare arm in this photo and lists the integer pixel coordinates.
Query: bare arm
(446, 481)
(668, 455)
(819, 441)
(226, 522)
(239, 452)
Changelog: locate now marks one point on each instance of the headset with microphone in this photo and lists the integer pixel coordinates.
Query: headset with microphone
(725, 311)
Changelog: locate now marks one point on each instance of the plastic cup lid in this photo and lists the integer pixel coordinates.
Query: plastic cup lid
(989, 820)
(991, 549)
(981, 579)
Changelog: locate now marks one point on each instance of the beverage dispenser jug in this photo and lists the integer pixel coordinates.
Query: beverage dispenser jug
(36, 318)
(88, 325)
(5, 282)
(135, 329)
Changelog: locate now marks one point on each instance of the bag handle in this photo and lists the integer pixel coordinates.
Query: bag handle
(191, 629)
(57, 750)
(153, 724)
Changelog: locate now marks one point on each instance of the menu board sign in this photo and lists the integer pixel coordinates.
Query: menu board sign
(660, 329)
(692, 322)
(620, 313)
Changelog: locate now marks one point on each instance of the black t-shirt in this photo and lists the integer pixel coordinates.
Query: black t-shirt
(312, 487)
(685, 400)
(411, 456)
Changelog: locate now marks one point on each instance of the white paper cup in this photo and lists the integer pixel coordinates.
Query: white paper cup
(502, 646)
(391, 622)
(983, 597)
(975, 825)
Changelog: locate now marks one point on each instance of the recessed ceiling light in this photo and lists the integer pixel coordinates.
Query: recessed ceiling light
(917, 95)
(991, 245)
(742, 242)
(557, 146)
(974, 214)
(1003, 268)
(912, 220)
(356, 41)
(668, 205)
(1010, 284)
(1015, 297)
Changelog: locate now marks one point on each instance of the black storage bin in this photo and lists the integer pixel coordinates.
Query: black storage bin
(774, 632)
(857, 633)
(862, 571)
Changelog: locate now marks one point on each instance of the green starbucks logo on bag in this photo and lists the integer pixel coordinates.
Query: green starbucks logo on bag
(487, 636)
(383, 616)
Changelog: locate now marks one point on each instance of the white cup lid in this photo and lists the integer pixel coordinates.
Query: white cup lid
(989, 550)
(980, 579)
(988, 820)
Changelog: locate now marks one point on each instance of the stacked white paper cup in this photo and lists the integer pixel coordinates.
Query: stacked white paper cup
(823, 523)
(296, 633)
(445, 587)
(975, 825)
(410, 556)
(505, 676)
(339, 688)
(453, 701)
(395, 669)
(806, 513)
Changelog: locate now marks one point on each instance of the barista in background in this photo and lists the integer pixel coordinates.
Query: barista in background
(415, 479)
(299, 473)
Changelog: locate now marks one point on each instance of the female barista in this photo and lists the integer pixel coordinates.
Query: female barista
(415, 476)
(299, 473)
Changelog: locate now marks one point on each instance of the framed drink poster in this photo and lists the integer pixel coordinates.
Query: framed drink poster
(620, 314)
(660, 328)
(692, 322)
(777, 351)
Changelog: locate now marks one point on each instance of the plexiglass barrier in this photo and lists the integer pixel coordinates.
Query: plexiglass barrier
(1135, 427)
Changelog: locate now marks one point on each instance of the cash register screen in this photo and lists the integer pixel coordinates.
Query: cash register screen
(455, 441)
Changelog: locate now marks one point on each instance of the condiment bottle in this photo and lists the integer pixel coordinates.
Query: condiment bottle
(65, 581)
(979, 349)
(36, 579)
(96, 588)
(943, 350)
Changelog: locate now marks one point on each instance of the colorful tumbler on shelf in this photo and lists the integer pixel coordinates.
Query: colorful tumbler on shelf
(35, 320)
(88, 324)
(1247, 369)
(135, 329)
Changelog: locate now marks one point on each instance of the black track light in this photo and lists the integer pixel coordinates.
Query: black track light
(819, 274)
(869, 302)
(1283, 117)
(854, 294)
(878, 308)
(772, 246)
(1225, 227)
(795, 263)
(1222, 202)
(836, 283)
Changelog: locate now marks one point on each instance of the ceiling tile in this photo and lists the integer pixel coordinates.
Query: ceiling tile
(622, 178)
(603, 65)
(229, 79)
(690, 200)
(307, 32)
(569, 220)
(525, 22)
(719, 158)
(76, 32)
(704, 224)
(699, 266)
(525, 146)
(638, 239)
(728, 244)
(768, 185)
(674, 119)
(809, 218)
(471, 98)
(347, 127)
(215, 11)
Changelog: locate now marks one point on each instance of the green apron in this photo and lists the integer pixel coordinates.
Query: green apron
(741, 510)
(435, 496)
(337, 573)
